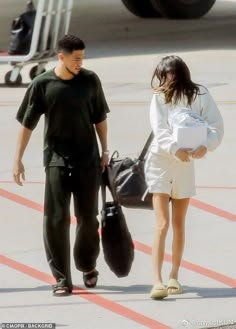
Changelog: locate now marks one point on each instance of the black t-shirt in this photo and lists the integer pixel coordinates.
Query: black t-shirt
(71, 108)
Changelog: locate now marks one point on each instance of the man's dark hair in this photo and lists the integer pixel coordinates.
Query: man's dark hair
(69, 42)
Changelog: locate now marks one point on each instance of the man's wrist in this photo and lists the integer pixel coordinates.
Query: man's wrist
(106, 152)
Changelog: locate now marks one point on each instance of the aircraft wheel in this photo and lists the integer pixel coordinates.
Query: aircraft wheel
(182, 9)
(141, 8)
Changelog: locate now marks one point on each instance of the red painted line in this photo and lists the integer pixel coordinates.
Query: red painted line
(123, 311)
(27, 270)
(213, 210)
(144, 248)
(228, 281)
(194, 202)
(200, 187)
(25, 202)
(209, 273)
(83, 293)
(21, 200)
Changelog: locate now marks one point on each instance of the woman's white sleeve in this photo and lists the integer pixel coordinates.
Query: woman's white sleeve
(160, 126)
(212, 115)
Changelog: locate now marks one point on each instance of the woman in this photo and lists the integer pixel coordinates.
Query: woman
(169, 169)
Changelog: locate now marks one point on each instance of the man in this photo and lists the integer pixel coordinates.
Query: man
(72, 101)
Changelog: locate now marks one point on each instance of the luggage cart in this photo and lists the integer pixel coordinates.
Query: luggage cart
(51, 21)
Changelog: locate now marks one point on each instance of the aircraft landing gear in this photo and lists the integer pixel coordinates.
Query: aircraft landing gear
(183, 9)
(141, 8)
(180, 9)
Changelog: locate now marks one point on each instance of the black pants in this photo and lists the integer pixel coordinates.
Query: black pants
(83, 184)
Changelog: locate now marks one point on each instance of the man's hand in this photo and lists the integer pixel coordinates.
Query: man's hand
(18, 167)
(183, 154)
(199, 152)
(18, 172)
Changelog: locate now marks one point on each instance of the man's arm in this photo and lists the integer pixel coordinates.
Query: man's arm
(101, 129)
(18, 167)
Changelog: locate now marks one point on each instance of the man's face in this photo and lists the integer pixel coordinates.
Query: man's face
(73, 62)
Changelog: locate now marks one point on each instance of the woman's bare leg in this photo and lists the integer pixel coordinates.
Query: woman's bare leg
(161, 208)
(179, 210)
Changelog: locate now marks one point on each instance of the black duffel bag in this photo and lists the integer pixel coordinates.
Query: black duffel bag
(22, 31)
(117, 243)
(126, 180)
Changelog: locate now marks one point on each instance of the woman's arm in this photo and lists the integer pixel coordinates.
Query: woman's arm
(160, 126)
(213, 117)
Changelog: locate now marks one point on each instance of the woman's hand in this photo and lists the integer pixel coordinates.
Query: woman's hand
(184, 154)
(199, 152)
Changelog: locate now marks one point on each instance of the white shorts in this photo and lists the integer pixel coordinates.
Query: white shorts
(165, 174)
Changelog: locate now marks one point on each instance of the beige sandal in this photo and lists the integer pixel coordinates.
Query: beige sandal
(174, 287)
(159, 291)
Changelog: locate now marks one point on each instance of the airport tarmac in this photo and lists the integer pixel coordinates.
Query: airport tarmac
(208, 271)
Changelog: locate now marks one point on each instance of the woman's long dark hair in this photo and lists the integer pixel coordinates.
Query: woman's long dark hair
(180, 86)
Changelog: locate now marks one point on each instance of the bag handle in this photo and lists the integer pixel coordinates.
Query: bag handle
(104, 185)
(103, 190)
(146, 146)
(104, 182)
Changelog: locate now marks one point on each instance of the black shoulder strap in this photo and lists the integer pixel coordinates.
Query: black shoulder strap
(105, 184)
(103, 189)
(146, 146)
